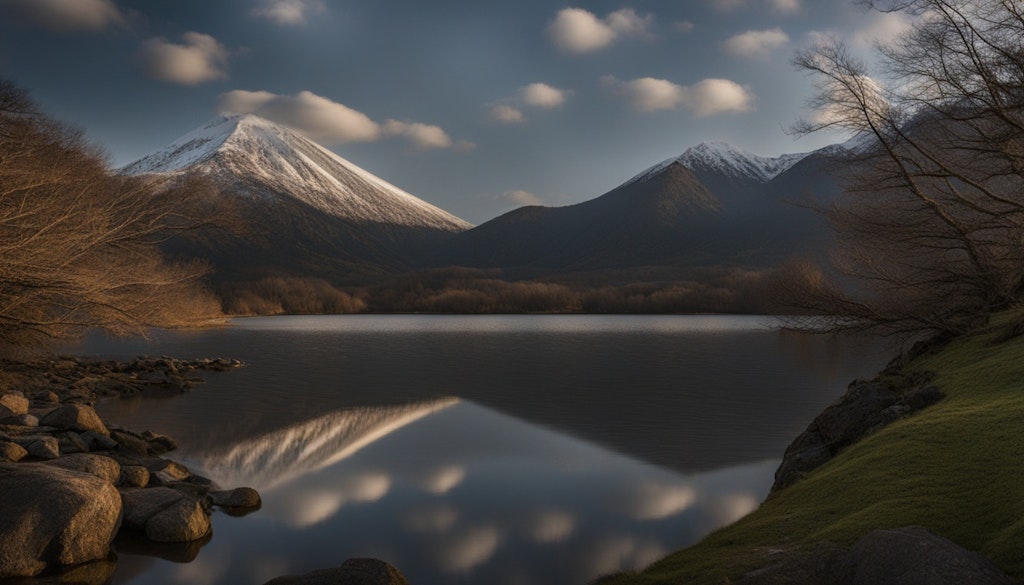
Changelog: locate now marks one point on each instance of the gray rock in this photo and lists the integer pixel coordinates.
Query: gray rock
(98, 442)
(159, 444)
(40, 446)
(130, 442)
(72, 442)
(76, 417)
(46, 397)
(15, 402)
(165, 514)
(183, 521)
(351, 572)
(102, 467)
(21, 420)
(865, 408)
(12, 451)
(142, 504)
(242, 497)
(901, 556)
(170, 472)
(54, 517)
(914, 556)
(134, 476)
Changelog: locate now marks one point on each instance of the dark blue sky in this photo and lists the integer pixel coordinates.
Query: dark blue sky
(475, 106)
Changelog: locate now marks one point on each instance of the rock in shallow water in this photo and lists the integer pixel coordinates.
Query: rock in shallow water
(351, 572)
(165, 514)
(52, 517)
(242, 497)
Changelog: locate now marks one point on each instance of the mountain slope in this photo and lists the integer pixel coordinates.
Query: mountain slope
(284, 205)
(713, 206)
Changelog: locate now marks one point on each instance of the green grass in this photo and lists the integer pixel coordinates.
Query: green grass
(956, 468)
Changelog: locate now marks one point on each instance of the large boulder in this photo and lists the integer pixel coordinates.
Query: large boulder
(53, 517)
(351, 572)
(914, 556)
(243, 497)
(75, 417)
(899, 556)
(165, 514)
(102, 467)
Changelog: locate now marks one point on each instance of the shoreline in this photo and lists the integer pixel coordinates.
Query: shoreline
(101, 487)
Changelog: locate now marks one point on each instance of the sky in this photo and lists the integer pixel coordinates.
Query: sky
(477, 107)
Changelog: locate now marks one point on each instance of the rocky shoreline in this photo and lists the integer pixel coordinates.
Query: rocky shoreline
(72, 484)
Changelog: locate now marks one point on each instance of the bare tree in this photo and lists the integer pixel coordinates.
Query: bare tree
(930, 230)
(78, 244)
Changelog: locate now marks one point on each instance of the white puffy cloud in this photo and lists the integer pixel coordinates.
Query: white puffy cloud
(718, 96)
(580, 31)
(519, 198)
(882, 27)
(704, 98)
(287, 12)
(423, 136)
(506, 114)
(542, 95)
(318, 117)
(535, 95)
(649, 94)
(756, 43)
(200, 58)
(65, 15)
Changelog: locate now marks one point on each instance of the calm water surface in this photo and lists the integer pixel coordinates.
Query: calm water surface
(492, 449)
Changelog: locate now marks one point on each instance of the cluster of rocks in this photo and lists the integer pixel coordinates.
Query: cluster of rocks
(70, 483)
(866, 407)
(351, 572)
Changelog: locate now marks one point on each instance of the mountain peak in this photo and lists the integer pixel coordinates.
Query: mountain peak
(259, 158)
(726, 159)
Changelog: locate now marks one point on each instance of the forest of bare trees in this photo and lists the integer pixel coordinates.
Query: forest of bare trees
(78, 244)
(930, 233)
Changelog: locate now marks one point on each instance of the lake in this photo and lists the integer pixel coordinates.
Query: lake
(480, 449)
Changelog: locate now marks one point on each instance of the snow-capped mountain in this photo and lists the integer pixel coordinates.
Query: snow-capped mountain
(261, 159)
(727, 160)
(714, 205)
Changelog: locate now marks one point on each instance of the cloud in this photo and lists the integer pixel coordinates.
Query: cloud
(201, 58)
(542, 95)
(520, 198)
(784, 6)
(65, 15)
(315, 116)
(506, 114)
(883, 27)
(287, 12)
(535, 95)
(705, 98)
(576, 30)
(756, 43)
(436, 520)
(422, 136)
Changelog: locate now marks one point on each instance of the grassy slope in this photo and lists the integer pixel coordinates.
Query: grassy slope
(956, 468)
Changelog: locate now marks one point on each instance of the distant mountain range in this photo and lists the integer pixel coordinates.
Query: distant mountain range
(714, 206)
(289, 207)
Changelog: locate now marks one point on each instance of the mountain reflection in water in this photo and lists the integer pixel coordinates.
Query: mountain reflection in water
(497, 449)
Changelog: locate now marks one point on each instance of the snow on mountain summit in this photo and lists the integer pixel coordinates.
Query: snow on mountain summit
(259, 158)
(728, 160)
